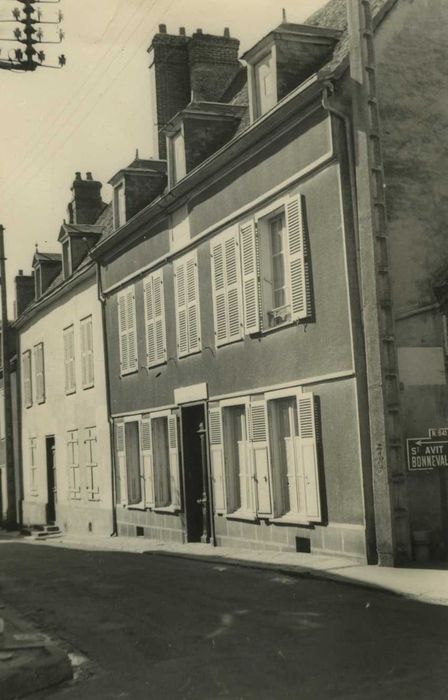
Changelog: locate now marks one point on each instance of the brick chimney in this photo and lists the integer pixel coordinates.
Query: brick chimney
(24, 285)
(171, 80)
(213, 65)
(86, 205)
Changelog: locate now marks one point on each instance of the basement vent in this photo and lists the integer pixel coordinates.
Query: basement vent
(303, 544)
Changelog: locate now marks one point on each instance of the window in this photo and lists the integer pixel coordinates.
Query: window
(39, 368)
(27, 382)
(294, 457)
(264, 458)
(275, 269)
(66, 259)
(127, 331)
(226, 288)
(240, 459)
(148, 476)
(74, 488)
(91, 462)
(177, 152)
(119, 206)
(87, 353)
(265, 84)
(154, 319)
(33, 467)
(188, 321)
(69, 360)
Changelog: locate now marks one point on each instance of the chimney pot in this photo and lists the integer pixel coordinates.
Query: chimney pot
(20, 273)
(199, 31)
(182, 31)
(162, 28)
(227, 33)
(89, 176)
(78, 176)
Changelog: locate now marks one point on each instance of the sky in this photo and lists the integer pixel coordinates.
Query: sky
(94, 113)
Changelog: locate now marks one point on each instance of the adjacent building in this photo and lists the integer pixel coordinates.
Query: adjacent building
(64, 439)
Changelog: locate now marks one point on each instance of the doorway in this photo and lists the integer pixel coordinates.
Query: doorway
(195, 468)
(50, 449)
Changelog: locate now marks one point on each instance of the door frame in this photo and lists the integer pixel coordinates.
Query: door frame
(210, 504)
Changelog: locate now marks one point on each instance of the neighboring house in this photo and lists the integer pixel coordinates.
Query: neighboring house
(65, 440)
(10, 475)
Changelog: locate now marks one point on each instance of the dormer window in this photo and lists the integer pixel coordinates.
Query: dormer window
(37, 282)
(265, 84)
(119, 205)
(178, 166)
(66, 259)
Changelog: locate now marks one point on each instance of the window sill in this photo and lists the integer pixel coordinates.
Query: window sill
(130, 371)
(40, 402)
(71, 392)
(153, 365)
(88, 386)
(167, 509)
(290, 519)
(189, 353)
(242, 515)
(224, 343)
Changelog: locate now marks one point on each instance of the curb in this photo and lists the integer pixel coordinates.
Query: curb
(33, 670)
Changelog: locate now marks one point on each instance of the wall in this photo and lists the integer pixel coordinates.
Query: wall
(412, 83)
(60, 413)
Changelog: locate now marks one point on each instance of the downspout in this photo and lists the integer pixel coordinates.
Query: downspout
(328, 89)
(102, 301)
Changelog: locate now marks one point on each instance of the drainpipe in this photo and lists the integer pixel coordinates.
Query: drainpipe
(102, 301)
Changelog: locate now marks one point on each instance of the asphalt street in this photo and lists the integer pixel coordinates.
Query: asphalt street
(154, 626)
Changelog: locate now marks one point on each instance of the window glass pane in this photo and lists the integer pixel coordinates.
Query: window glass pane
(161, 460)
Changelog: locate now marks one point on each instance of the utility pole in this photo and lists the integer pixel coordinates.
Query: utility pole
(11, 513)
(31, 36)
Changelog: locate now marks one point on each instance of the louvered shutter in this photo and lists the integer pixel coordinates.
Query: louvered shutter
(72, 372)
(149, 319)
(67, 362)
(217, 460)
(181, 309)
(193, 315)
(90, 371)
(246, 478)
(219, 293)
(40, 375)
(174, 461)
(308, 462)
(292, 444)
(260, 454)
(123, 334)
(250, 277)
(232, 263)
(159, 317)
(132, 330)
(84, 378)
(147, 462)
(120, 468)
(298, 266)
(27, 386)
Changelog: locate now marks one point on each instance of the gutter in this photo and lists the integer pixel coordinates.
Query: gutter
(102, 301)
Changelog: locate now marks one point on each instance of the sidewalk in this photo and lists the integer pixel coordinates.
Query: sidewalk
(428, 585)
(29, 661)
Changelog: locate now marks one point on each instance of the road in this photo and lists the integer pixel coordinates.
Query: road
(154, 626)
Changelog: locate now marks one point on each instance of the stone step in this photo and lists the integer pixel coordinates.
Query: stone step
(42, 531)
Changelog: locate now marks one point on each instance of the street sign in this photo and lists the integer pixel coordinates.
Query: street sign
(426, 453)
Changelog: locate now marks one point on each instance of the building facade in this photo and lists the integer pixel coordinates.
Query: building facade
(65, 440)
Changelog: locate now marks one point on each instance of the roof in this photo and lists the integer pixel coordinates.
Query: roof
(333, 15)
(53, 258)
(79, 229)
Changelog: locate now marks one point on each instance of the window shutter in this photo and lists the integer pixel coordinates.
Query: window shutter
(150, 324)
(298, 266)
(132, 330)
(174, 461)
(123, 334)
(260, 453)
(250, 277)
(67, 362)
(308, 456)
(217, 460)
(181, 309)
(27, 386)
(84, 353)
(219, 293)
(120, 469)
(193, 315)
(146, 457)
(89, 349)
(159, 317)
(72, 373)
(233, 288)
(40, 372)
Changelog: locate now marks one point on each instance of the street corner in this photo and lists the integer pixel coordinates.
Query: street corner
(29, 660)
